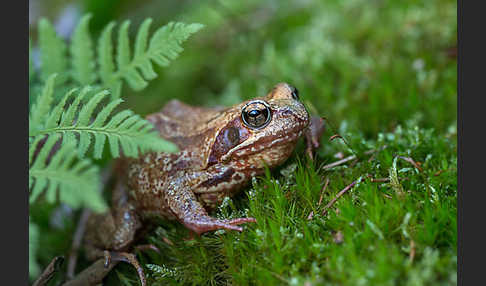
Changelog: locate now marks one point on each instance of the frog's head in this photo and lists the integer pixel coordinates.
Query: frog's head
(261, 131)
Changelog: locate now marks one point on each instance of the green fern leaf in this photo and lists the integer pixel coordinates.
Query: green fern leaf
(133, 133)
(164, 46)
(105, 60)
(140, 46)
(68, 116)
(76, 180)
(41, 108)
(105, 53)
(123, 49)
(87, 110)
(53, 118)
(83, 62)
(53, 52)
(166, 41)
(136, 70)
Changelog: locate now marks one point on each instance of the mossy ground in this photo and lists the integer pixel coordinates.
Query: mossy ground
(384, 74)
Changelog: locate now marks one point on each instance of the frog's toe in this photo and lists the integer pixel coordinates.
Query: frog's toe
(125, 257)
(241, 220)
(205, 224)
(232, 227)
(144, 247)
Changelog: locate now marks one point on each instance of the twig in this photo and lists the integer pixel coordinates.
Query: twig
(78, 238)
(411, 161)
(92, 275)
(349, 158)
(333, 201)
(335, 136)
(48, 273)
(387, 196)
(439, 172)
(322, 192)
(337, 163)
(311, 214)
(355, 161)
(412, 250)
(380, 180)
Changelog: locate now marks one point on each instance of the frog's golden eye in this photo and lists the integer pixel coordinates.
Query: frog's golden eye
(256, 114)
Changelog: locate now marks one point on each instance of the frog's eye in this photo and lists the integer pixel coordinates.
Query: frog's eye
(295, 92)
(256, 114)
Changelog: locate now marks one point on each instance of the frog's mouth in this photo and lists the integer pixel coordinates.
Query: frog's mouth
(287, 135)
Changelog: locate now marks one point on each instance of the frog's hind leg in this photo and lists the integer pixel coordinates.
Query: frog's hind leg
(185, 206)
(111, 234)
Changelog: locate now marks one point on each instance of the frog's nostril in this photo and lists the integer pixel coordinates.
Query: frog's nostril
(295, 92)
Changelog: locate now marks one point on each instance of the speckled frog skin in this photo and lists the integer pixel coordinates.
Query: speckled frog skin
(220, 150)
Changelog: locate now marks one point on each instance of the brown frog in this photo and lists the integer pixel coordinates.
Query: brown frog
(220, 150)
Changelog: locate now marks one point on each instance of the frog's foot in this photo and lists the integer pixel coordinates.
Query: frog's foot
(313, 134)
(204, 224)
(144, 247)
(111, 256)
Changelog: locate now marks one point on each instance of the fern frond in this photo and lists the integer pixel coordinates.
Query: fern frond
(164, 46)
(83, 62)
(53, 52)
(41, 107)
(140, 46)
(76, 180)
(137, 69)
(105, 60)
(125, 128)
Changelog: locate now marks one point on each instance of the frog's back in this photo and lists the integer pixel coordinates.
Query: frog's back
(184, 125)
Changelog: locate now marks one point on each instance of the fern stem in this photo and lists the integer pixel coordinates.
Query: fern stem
(93, 130)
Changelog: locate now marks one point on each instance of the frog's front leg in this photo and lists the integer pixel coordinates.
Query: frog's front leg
(185, 206)
(313, 134)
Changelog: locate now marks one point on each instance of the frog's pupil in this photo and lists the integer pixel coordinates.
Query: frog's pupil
(256, 118)
(254, 113)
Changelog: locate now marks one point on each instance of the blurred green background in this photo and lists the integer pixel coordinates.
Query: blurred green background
(371, 64)
(366, 65)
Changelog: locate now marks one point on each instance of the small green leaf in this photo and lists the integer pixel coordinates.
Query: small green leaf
(41, 107)
(52, 53)
(105, 54)
(83, 62)
(142, 38)
(123, 49)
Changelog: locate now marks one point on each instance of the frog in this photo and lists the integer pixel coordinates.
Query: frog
(220, 150)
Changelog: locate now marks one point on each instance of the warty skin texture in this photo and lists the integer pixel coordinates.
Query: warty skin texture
(221, 149)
